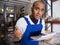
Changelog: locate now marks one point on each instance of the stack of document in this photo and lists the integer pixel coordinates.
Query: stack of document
(43, 37)
(56, 39)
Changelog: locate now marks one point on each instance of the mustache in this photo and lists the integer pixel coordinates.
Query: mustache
(39, 15)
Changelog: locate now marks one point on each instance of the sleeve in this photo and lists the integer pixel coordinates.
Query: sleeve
(43, 29)
(21, 23)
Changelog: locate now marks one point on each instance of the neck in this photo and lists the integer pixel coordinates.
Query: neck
(33, 19)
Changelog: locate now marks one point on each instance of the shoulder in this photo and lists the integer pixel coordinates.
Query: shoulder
(21, 21)
(43, 21)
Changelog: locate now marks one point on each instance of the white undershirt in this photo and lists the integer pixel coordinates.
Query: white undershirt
(21, 24)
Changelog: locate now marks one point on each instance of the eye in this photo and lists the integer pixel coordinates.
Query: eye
(42, 9)
(37, 8)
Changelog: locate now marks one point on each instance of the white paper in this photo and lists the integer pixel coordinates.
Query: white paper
(43, 37)
(56, 39)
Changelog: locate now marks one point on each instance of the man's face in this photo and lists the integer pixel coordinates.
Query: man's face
(38, 10)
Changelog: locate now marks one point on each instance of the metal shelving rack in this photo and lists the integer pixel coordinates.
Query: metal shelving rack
(51, 14)
(51, 8)
(6, 25)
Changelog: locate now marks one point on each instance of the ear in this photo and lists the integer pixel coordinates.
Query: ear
(31, 9)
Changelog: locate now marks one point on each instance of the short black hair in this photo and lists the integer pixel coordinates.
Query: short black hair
(38, 1)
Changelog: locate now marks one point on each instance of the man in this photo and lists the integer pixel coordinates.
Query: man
(31, 25)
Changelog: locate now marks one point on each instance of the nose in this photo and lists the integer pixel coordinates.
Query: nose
(40, 12)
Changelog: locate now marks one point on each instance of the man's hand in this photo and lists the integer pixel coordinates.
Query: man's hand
(48, 31)
(48, 40)
(17, 33)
